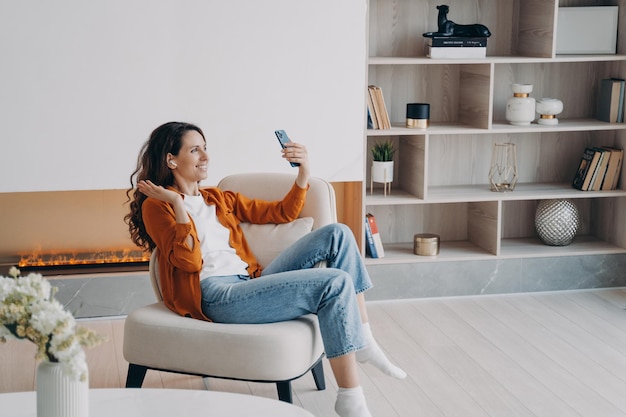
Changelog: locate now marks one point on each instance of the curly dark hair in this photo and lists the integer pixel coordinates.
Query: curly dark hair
(152, 165)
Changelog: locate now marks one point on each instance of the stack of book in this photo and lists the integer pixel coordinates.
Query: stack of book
(599, 169)
(611, 100)
(377, 116)
(455, 47)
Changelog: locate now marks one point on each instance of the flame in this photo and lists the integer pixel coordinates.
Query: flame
(84, 258)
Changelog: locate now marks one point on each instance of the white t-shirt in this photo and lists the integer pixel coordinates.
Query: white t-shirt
(218, 256)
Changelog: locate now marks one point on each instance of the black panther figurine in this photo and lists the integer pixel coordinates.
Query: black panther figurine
(449, 28)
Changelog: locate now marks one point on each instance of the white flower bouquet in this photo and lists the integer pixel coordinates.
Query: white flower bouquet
(28, 310)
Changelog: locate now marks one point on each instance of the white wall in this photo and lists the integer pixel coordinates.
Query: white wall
(83, 83)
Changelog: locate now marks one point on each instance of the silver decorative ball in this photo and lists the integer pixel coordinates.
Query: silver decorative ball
(556, 222)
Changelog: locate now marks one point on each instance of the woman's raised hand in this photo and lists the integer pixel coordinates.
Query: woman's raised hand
(296, 152)
(149, 189)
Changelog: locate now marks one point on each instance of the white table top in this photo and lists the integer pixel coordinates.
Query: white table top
(146, 402)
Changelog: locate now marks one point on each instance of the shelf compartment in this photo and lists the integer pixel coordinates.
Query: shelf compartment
(597, 231)
(575, 83)
(457, 94)
(542, 157)
(475, 223)
(409, 167)
(396, 28)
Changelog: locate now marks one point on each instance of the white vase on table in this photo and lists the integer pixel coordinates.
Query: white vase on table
(59, 394)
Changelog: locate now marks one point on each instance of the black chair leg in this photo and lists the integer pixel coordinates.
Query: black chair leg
(284, 391)
(135, 375)
(318, 376)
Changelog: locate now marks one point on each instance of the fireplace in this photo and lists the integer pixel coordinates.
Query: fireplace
(124, 260)
(67, 232)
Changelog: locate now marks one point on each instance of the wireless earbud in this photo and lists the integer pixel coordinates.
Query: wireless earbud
(172, 164)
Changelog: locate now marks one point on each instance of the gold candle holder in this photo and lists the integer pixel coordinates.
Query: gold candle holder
(503, 172)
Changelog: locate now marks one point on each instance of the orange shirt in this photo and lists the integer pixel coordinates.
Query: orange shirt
(180, 265)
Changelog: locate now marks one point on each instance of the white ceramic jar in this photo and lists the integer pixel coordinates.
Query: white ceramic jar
(520, 109)
(547, 109)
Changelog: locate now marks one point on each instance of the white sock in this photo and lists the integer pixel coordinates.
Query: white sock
(373, 354)
(351, 403)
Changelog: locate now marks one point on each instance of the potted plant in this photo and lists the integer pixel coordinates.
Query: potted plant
(382, 164)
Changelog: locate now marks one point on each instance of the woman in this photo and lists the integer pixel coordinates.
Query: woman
(209, 273)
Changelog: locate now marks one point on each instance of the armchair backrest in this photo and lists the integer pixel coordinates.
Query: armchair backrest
(320, 201)
(266, 241)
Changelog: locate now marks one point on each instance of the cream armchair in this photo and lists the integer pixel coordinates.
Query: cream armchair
(156, 338)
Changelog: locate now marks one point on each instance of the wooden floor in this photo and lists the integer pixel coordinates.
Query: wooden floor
(547, 354)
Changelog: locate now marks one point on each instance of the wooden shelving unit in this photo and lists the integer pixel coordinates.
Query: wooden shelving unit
(441, 173)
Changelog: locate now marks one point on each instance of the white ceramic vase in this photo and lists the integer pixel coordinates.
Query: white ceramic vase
(60, 395)
(520, 109)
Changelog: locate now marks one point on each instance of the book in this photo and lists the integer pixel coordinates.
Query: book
(620, 108)
(451, 41)
(593, 164)
(376, 116)
(613, 168)
(372, 122)
(618, 170)
(611, 100)
(598, 176)
(374, 243)
(583, 168)
(455, 52)
(370, 247)
(380, 109)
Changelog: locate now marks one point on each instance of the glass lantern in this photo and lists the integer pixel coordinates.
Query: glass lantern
(503, 172)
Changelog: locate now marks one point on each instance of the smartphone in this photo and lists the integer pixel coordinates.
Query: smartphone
(282, 139)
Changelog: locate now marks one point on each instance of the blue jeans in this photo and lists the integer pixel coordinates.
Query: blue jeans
(291, 287)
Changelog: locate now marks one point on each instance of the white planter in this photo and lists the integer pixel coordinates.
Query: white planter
(60, 395)
(382, 171)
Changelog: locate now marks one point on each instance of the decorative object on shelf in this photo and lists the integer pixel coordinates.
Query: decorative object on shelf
(29, 311)
(503, 172)
(455, 41)
(520, 109)
(556, 222)
(426, 244)
(382, 165)
(547, 109)
(447, 27)
(417, 115)
(599, 26)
